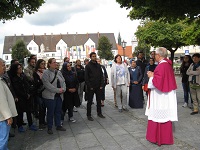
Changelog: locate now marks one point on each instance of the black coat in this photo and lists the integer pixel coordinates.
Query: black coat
(71, 81)
(21, 88)
(38, 84)
(93, 75)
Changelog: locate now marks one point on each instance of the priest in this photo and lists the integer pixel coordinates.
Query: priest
(162, 101)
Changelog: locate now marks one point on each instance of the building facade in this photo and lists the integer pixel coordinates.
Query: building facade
(75, 46)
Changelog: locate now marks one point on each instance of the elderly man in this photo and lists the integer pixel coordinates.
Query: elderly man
(7, 110)
(162, 102)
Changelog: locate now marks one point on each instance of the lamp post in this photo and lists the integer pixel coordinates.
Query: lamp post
(124, 46)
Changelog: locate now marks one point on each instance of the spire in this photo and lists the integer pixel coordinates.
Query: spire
(119, 39)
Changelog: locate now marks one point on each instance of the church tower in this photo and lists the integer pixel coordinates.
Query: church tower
(119, 39)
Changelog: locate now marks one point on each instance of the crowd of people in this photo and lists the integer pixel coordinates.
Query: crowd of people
(46, 92)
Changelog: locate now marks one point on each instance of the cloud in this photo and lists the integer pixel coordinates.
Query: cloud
(57, 12)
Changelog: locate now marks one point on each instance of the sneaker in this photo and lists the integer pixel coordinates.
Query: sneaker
(72, 119)
(33, 128)
(21, 129)
(75, 110)
(11, 135)
(101, 116)
(120, 110)
(60, 128)
(185, 105)
(90, 118)
(41, 127)
(49, 131)
(62, 122)
(194, 112)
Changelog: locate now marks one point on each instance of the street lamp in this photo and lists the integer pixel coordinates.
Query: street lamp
(124, 46)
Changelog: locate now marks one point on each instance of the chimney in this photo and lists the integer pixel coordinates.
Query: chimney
(87, 35)
(60, 36)
(67, 32)
(76, 33)
(44, 33)
(98, 34)
(22, 34)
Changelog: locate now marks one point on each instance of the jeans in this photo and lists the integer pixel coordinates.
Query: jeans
(54, 110)
(186, 91)
(4, 134)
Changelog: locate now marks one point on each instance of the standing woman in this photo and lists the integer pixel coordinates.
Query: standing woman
(37, 75)
(120, 80)
(187, 60)
(54, 84)
(71, 97)
(105, 79)
(136, 94)
(23, 103)
(194, 79)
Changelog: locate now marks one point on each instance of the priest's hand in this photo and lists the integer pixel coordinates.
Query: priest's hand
(150, 74)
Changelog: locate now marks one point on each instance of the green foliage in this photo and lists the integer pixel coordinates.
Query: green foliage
(191, 33)
(160, 34)
(12, 9)
(169, 10)
(104, 48)
(19, 51)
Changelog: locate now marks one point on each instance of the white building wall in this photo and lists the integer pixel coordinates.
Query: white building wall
(33, 47)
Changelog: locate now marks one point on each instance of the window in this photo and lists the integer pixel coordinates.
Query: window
(30, 48)
(34, 48)
(53, 55)
(47, 55)
(58, 48)
(6, 57)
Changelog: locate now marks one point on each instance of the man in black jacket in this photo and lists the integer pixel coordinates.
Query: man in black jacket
(94, 82)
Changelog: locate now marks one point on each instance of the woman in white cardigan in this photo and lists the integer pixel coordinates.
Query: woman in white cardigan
(120, 80)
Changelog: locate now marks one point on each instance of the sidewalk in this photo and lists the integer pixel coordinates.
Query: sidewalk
(126, 130)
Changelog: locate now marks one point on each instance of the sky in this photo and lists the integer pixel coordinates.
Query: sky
(69, 16)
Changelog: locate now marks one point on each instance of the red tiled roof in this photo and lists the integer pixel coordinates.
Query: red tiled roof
(127, 51)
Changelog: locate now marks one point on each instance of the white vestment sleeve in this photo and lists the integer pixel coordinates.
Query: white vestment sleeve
(150, 83)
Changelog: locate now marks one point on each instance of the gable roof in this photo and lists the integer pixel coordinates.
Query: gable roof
(50, 41)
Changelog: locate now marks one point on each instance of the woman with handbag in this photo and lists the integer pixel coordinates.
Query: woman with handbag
(135, 89)
(54, 84)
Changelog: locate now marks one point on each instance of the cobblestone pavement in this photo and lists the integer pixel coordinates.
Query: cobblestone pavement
(118, 131)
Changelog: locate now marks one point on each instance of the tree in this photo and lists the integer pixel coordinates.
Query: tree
(165, 9)
(19, 51)
(160, 34)
(191, 33)
(104, 48)
(12, 9)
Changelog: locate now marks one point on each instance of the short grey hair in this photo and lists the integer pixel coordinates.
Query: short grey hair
(162, 51)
